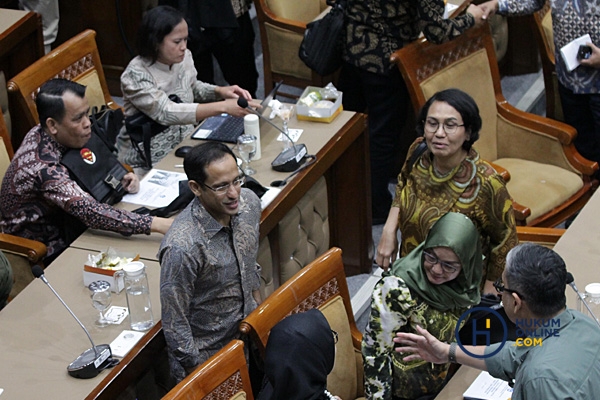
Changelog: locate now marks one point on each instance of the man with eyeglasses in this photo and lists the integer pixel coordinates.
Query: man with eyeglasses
(565, 365)
(209, 276)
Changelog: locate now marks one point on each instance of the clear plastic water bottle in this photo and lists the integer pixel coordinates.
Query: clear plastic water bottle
(138, 296)
(592, 299)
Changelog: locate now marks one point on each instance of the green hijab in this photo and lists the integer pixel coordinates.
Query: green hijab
(456, 231)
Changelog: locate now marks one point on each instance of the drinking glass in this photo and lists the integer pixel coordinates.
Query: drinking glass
(247, 149)
(286, 111)
(100, 293)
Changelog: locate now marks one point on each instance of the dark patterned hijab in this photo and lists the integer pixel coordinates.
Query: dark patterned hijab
(300, 354)
(457, 232)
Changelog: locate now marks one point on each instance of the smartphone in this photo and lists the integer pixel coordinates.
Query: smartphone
(584, 52)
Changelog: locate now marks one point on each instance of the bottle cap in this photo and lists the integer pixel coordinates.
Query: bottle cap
(99, 286)
(251, 118)
(593, 290)
(134, 268)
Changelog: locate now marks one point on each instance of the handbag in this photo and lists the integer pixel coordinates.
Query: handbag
(107, 123)
(141, 129)
(322, 46)
(96, 170)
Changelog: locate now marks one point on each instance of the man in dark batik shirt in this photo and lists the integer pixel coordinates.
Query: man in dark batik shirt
(39, 200)
(209, 276)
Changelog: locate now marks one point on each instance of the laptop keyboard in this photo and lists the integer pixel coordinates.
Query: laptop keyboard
(224, 129)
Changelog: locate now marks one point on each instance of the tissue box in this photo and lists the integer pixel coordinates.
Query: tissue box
(92, 273)
(317, 114)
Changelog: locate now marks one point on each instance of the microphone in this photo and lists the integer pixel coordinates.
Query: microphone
(289, 159)
(571, 282)
(93, 360)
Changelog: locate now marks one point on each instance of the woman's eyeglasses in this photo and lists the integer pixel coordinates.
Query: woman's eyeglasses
(335, 336)
(432, 126)
(433, 259)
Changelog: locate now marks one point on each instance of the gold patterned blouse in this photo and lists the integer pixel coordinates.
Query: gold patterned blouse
(473, 188)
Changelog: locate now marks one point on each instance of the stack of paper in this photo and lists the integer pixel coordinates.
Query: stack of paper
(486, 387)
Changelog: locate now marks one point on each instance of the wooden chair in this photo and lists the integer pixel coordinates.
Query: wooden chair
(543, 236)
(321, 284)
(282, 24)
(541, 22)
(21, 253)
(224, 376)
(78, 60)
(549, 180)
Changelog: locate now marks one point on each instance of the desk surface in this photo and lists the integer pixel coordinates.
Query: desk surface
(315, 136)
(579, 247)
(39, 338)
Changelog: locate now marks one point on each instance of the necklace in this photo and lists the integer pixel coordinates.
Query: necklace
(329, 395)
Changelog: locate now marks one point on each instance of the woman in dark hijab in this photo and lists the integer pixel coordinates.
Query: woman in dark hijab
(430, 287)
(300, 354)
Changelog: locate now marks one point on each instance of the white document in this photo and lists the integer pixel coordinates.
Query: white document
(569, 51)
(294, 135)
(125, 342)
(158, 189)
(486, 387)
(268, 197)
(449, 10)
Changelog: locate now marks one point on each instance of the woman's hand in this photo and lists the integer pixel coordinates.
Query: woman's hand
(387, 249)
(131, 182)
(233, 92)
(231, 107)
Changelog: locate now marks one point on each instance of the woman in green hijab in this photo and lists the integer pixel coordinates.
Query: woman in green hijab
(431, 287)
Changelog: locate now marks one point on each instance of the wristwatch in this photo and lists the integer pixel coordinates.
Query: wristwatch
(452, 353)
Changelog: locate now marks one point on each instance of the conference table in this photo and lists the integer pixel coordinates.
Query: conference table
(341, 148)
(579, 249)
(39, 338)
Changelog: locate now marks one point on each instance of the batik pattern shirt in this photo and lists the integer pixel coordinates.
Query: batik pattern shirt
(146, 88)
(208, 273)
(473, 188)
(37, 193)
(570, 20)
(395, 309)
(377, 28)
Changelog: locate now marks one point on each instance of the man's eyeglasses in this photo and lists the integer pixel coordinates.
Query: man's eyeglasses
(500, 288)
(335, 336)
(433, 259)
(432, 126)
(222, 189)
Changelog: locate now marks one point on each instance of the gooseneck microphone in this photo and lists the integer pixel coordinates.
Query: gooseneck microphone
(571, 282)
(93, 360)
(289, 159)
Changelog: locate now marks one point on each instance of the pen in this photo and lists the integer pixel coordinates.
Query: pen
(178, 165)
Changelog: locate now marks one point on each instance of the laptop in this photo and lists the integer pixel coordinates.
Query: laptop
(225, 127)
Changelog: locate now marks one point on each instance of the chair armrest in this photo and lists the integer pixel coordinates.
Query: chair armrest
(539, 235)
(547, 132)
(32, 249)
(521, 213)
(503, 172)
(356, 337)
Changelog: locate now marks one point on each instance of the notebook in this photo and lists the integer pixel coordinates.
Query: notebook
(225, 127)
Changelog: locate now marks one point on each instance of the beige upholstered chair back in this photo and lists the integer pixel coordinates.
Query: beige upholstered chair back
(546, 176)
(473, 75)
(77, 59)
(321, 284)
(224, 376)
(6, 150)
(282, 24)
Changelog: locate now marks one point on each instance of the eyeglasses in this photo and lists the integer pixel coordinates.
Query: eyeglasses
(335, 336)
(500, 288)
(433, 260)
(222, 189)
(432, 126)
